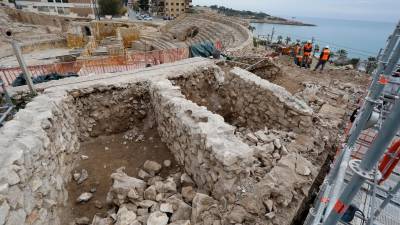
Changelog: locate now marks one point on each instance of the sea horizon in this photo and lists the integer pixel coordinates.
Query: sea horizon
(355, 36)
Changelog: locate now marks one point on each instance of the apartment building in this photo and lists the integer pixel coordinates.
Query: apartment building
(175, 8)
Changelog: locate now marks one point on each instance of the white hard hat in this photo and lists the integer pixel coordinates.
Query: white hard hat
(327, 46)
(309, 41)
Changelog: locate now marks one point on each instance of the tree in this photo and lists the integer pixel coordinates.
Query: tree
(280, 38)
(110, 7)
(342, 54)
(371, 65)
(251, 28)
(144, 5)
(354, 62)
(135, 6)
(287, 40)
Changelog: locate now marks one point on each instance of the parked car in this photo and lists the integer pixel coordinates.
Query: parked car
(147, 18)
(139, 17)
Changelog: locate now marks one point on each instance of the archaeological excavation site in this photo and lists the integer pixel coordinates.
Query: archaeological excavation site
(192, 142)
(137, 129)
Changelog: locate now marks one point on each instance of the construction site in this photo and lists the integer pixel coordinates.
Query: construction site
(120, 122)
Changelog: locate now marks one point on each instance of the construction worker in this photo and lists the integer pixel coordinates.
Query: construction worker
(323, 58)
(296, 53)
(307, 51)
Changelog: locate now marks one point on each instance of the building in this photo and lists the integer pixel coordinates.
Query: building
(82, 8)
(175, 8)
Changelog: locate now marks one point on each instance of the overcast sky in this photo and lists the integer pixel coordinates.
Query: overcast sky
(373, 10)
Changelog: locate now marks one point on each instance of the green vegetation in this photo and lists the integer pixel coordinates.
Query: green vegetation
(372, 63)
(144, 5)
(241, 13)
(110, 7)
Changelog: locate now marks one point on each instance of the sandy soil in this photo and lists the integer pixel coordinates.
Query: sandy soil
(102, 163)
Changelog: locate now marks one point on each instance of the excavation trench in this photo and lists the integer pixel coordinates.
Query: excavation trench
(253, 149)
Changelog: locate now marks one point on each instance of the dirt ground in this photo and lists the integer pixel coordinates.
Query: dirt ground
(293, 76)
(105, 155)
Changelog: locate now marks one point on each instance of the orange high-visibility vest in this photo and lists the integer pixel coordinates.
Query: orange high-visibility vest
(307, 49)
(325, 54)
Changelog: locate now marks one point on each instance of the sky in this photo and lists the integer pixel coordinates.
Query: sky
(367, 10)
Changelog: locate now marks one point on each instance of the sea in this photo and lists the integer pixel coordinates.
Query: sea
(361, 39)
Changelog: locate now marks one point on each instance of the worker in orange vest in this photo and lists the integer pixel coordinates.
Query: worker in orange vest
(296, 53)
(307, 51)
(323, 58)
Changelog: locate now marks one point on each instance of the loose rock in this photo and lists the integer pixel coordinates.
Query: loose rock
(84, 197)
(157, 218)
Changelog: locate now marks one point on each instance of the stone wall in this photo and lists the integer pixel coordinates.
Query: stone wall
(24, 16)
(45, 44)
(109, 109)
(128, 35)
(247, 35)
(200, 141)
(37, 153)
(246, 100)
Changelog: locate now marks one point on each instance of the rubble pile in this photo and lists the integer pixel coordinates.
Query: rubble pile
(153, 200)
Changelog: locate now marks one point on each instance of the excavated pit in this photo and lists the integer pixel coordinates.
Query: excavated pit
(254, 148)
(120, 133)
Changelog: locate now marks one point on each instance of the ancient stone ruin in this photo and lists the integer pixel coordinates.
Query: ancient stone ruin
(200, 145)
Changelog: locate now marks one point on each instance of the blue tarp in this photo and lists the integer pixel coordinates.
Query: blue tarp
(204, 49)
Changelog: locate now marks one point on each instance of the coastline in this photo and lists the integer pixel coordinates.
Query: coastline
(281, 22)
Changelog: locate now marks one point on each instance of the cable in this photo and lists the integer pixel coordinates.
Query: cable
(362, 215)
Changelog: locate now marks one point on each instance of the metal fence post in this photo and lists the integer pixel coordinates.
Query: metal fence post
(24, 68)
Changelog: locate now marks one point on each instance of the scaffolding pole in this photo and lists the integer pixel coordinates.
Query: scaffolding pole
(389, 198)
(335, 179)
(386, 134)
(24, 68)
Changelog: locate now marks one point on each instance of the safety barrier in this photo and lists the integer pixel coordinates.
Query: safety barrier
(99, 65)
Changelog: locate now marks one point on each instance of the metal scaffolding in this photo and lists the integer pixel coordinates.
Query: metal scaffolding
(335, 195)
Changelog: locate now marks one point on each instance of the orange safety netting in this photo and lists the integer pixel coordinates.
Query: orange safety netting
(108, 64)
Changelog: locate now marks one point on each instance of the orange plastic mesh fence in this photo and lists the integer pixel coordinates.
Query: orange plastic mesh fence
(108, 64)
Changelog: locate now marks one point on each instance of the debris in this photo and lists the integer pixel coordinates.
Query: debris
(167, 163)
(157, 218)
(152, 167)
(84, 197)
(84, 176)
(82, 221)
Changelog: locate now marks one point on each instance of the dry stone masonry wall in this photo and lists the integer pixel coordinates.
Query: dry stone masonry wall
(259, 173)
(37, 154)
(247, 100)
(200, 140)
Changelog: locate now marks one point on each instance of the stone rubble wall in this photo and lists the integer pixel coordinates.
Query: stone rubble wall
(37, 153)
(39, 147)
(259, 101)
(246, 100)
(109, 109)
(200, 140)
(35, 18)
